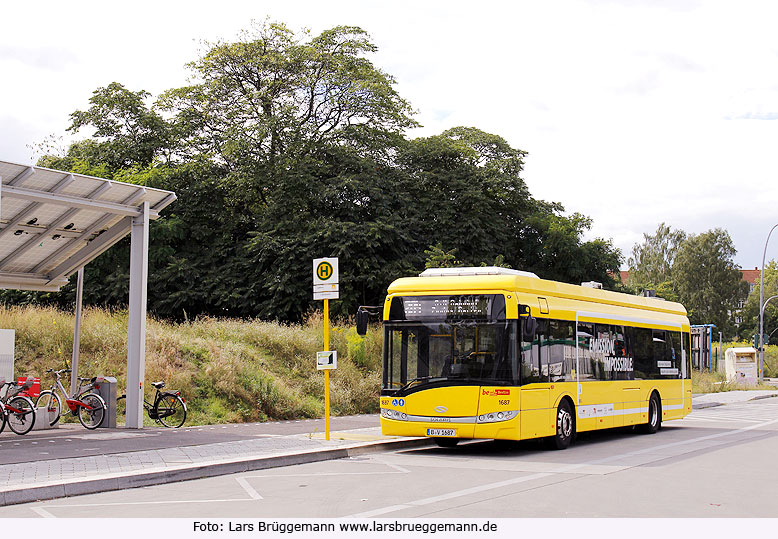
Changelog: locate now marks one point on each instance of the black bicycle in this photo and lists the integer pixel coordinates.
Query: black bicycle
(169, 407)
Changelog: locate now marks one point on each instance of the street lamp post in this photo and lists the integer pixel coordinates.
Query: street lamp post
(762, 303)
(761, 316)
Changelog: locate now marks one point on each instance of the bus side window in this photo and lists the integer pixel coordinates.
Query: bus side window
(604, 335)
(662, 354)
(624, 372)
(585, 335)
(561, 350)
(534, 360)
(643, 350)
(404, 357)
(674, 350)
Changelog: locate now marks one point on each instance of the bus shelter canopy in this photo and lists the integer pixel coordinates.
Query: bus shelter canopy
(52, 222)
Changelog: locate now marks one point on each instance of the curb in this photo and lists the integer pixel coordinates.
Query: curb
(714, 404)
(760, 397)
(108, 482)
(706, 405)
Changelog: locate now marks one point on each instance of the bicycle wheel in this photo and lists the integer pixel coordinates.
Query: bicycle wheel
(171, 410)
(51, 401)
(21, 414)
(91, 415)
(3, 419)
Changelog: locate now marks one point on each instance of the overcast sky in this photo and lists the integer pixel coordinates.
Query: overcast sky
(633, 112)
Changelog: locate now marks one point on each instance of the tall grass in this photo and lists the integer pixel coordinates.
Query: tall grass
(228, 370)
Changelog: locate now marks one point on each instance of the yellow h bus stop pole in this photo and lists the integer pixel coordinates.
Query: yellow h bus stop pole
(326, 371)
(325, 287)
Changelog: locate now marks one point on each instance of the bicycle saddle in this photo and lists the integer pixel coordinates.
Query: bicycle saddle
(158, 385)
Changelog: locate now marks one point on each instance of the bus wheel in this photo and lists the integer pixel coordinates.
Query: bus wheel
(654, 422)
(446, 442)
(565, 427)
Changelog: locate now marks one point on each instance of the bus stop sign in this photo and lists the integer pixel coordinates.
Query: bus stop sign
(325, 278)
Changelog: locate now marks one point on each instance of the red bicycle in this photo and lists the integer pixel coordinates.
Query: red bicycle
(17, 410)
(87, 406)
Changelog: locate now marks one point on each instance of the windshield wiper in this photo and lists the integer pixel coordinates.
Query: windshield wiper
(421, 379)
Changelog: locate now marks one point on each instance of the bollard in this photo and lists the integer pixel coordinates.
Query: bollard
(107, 390)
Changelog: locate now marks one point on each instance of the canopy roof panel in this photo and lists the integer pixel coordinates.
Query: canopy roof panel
(52, 222)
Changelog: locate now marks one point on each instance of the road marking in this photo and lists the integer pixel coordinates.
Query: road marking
(398, 468)
(450, 495)
(501, 465)
(571, 468)
(248, 488)
(326, 474)
(42, 512)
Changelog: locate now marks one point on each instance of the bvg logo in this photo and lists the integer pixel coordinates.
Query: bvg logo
(441, 409)
(496, 392)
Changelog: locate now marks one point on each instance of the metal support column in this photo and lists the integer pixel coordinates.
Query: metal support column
(77, 332)
(136, 331)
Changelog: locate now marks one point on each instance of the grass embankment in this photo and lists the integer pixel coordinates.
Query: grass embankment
(228, 370)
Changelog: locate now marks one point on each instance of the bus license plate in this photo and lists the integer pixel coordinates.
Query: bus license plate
(441, 432)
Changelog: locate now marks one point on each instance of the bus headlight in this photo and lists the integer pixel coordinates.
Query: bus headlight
(397, 415)
(499, 416)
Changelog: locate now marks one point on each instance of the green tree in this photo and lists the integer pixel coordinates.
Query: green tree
(750, 312)
(651, 262)
(439, 258)
(127, 131)
(272, 98)
(466, 193)
(707, 281)
(290, 147)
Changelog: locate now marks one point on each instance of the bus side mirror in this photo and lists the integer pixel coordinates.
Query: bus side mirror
(362, 317)
(530, 326)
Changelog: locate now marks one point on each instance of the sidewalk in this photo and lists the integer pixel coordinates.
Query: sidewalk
(708, 400)
(197, 457)
(61, 477)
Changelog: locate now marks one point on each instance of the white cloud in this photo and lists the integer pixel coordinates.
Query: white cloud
(632, 112)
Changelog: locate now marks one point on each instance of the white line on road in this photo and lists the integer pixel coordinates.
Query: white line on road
(394, 466)
(42, 512)
(248, 488)
(326, 474)
(564, 469)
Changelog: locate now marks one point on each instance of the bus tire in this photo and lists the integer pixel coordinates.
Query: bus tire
(654, 422)
(565, 426)
(446, 442)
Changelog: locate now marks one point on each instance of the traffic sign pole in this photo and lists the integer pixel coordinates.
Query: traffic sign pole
(327, 372)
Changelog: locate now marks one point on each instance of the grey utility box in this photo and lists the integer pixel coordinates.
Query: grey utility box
(107, 391)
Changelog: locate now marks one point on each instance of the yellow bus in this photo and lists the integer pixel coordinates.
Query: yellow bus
(495, 353)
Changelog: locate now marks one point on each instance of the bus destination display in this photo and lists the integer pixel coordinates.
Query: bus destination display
(467, 307)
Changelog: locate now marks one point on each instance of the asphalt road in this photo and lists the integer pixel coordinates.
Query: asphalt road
(718, 462)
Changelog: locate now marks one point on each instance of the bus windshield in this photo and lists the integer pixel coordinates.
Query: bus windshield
(449, 340)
